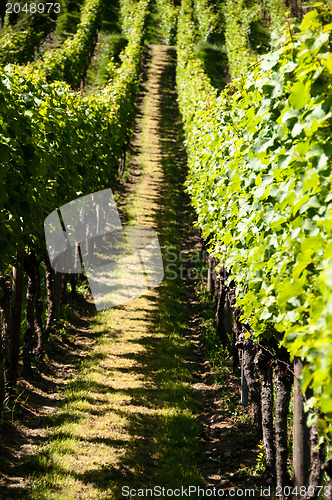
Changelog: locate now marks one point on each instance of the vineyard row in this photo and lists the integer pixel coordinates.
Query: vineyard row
(55, 146)
(259, 178)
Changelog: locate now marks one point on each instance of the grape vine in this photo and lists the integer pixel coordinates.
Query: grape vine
(55, 146)
(238, 19)
(260, 161)
(206, 17)
(19, 42)
(69, 62)
(168, 20)
(278, 12)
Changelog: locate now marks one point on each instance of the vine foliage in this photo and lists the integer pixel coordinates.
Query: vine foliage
(260, 181)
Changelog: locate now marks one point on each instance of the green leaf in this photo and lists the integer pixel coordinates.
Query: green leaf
(300, 96)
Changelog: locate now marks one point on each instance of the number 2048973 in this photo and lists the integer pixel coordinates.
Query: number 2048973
(33, 8)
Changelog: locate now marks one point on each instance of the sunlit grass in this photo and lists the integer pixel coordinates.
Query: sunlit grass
(141, 417)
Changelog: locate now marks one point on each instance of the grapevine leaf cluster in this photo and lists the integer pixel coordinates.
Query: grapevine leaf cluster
(18, 42)
(278, 12)
(56, 145)
(69, 62)
(238, 19)
(260, 159)
(207, 18)
(168, 13)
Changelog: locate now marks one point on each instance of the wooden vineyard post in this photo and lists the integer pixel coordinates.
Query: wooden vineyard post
(4, 336)
(244, 385)
(210, 274)
(301, 449)
(15, 320)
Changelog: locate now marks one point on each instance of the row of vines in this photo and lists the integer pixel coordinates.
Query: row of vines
(55, 146)
(259, 158)
(69, 62)
(26, 28)
(168, 13)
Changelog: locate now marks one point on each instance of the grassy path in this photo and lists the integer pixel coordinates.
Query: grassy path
(130, 416)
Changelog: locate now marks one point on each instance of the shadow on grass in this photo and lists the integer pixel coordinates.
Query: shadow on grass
(215, 63)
